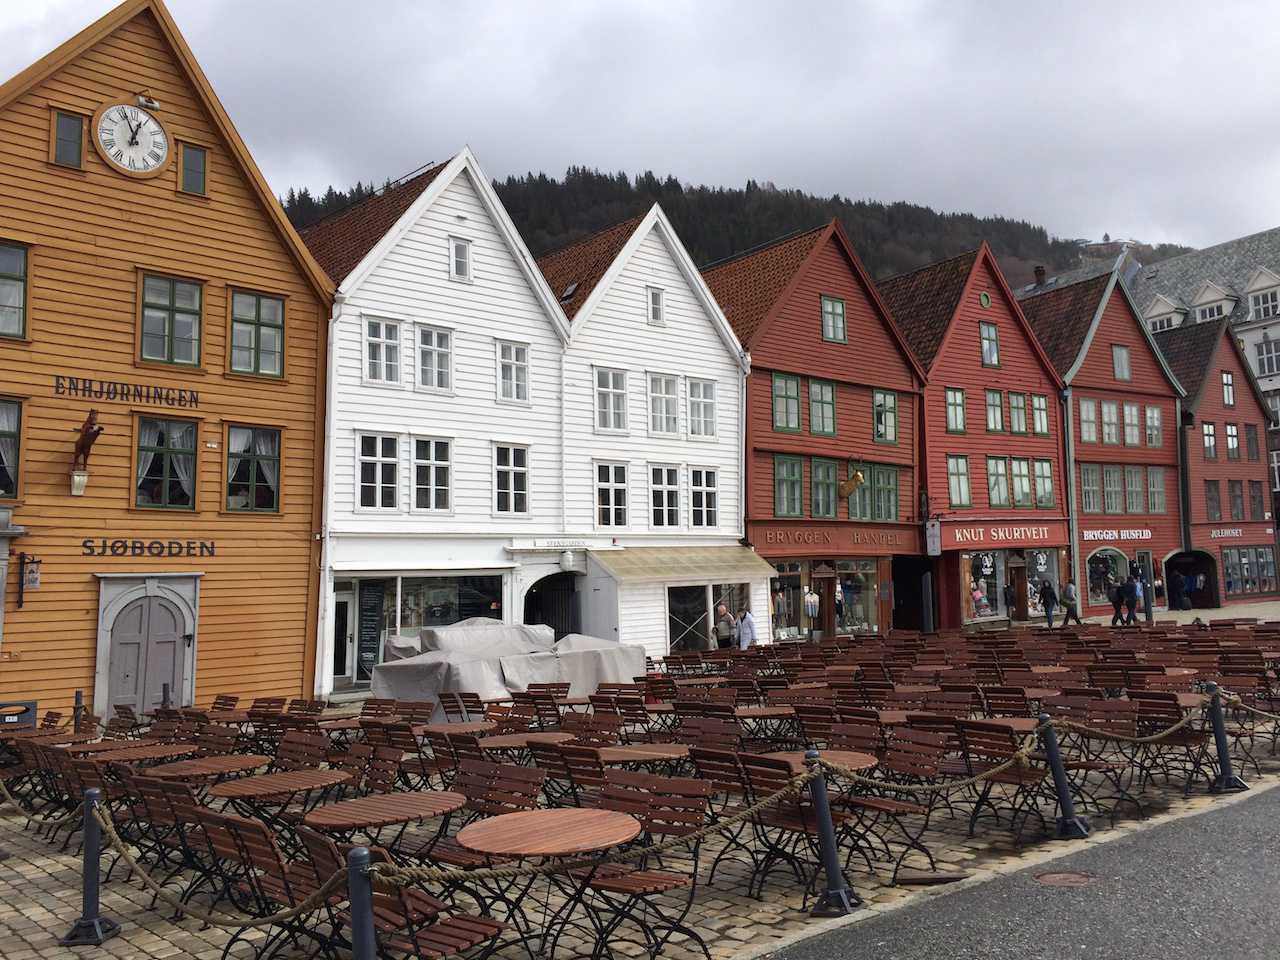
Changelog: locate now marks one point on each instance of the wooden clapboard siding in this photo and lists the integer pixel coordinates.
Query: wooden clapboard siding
(90, 233)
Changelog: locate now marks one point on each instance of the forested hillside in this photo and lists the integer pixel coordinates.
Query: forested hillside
(715, 222)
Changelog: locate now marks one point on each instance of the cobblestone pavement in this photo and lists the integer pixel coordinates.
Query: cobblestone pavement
(40, 894)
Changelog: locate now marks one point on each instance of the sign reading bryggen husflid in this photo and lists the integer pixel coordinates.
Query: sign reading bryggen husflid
(159, 450)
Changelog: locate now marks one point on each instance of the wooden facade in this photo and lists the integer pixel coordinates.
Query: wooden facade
(229, 595)
(843, 554)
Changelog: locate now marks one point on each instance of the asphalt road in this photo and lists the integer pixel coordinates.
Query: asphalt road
(1190, 889)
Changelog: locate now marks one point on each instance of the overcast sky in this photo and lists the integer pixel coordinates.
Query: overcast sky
(1156, 121)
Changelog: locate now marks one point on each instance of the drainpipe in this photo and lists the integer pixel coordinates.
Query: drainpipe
(324, 635)
(1184, 481)
(1073, 515)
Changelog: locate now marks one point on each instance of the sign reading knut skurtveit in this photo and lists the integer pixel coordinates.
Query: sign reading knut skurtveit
(1003, 533)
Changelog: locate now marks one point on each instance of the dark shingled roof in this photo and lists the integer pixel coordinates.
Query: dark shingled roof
(1061, 317)
(583, 263)
(1189, 351)
(340, 241)
(924, 301)
(748, 285)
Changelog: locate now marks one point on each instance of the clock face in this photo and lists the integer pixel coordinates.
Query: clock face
(131, 139)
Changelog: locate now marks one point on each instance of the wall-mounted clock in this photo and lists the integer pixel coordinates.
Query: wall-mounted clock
(131, 139)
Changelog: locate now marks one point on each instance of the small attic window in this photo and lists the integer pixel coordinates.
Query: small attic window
(568, 292)
(657, 309)
(1265, 305)
(1210, 311)
(1167, 322)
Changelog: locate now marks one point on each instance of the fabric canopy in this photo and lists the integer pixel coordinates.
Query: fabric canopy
(727, 564)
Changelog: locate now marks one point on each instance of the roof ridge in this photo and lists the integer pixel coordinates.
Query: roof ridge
(590, 236)
(1032, 294)
(930, 266)
(762, 246)
(1214, 246)
(380, 192)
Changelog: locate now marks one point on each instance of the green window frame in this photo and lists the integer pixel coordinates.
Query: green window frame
(823, 484)
(194, 163)
(1213, 500)
(834, 324)
(1110, 422)
(257, 334)
(13, 290)
(1112, 488)
(1155, 490)
(860, 495)
(822, 407)
(989, 334)
(1020, 482)
(786, 403)
(995, 411)
(884, 416)
(958, 490)
(997, 482)
(955, 410)
(1135, 490)
(1044, 483)
(788, 486)
(884, 493)
(253, 469)
(68, 139)
(1040, 415)
(1090, 488)
(172, 309)
(1017, 413)
(1088, 420)
(10, 447)
(166, 468)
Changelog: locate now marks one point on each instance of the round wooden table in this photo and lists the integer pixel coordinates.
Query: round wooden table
(707, 681)
(202, 768)
(278, 784)
(849, 759)
(780, 712)
(470, 726)
(107, 746)
(149, 751)
(642, 753)
(1048, 668)
(1180, 671)
(520, 741)
(559, 832)
(384, 810)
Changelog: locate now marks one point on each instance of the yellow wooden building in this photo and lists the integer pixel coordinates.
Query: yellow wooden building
(148, 273)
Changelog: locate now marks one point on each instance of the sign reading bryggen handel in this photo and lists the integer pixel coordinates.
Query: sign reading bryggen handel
(960, 536)
(88, 388)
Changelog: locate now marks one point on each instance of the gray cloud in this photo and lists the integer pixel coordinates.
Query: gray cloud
(1151, 120)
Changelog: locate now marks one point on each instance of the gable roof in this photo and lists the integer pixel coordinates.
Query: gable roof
(1231, 265)
(1189, 351)
(749, 284)
(574, 270)
(103, 27)
(923, 301)
(340, 241)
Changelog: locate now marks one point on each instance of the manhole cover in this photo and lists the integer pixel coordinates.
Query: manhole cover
(1065, 879)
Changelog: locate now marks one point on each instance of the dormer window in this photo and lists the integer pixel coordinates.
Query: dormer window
(1265, 305)
(1167, 322)
(1212, 311)
(657, 308)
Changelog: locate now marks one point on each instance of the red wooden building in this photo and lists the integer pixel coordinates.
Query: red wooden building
(831, 445)
(992, 448)
(1122, 406)
(1229, 534)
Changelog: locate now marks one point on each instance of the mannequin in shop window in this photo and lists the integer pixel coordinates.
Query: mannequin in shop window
(812, 604)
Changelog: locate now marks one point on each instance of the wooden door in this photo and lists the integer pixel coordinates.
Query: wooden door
(148, 650)
(1018, 576)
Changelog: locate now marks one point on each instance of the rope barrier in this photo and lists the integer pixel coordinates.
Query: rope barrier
(1122, 737)
(1020, 758)
(218, 919)
(7, 799)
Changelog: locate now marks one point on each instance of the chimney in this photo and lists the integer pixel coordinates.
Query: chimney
(1040, 275)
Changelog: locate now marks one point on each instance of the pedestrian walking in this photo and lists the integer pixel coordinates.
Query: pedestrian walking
(1130, 595)
(746, 629)
(1048, 600)
(1071, 603)
(1116, 596)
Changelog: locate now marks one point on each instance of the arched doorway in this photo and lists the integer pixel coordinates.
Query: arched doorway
(1192, 576)
(553, 600)
(1105, 569)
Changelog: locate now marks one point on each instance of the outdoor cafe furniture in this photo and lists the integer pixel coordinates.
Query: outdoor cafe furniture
(269, 795)
(848, 759)
(142, 752)
(207, 768)
(369, 816)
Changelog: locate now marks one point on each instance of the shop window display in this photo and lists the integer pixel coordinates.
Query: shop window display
(1042, 565)
(855, 596)
(1107, 568)
(985, 596)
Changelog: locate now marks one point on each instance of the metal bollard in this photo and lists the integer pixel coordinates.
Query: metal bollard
(1226, 781)
(164, 696)
(1148, 602)
(1070, 826)
(91, 929)
(838, 899)
(77, 712)
(364, 944)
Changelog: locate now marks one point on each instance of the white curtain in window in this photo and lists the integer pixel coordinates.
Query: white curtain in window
(238, 442)
(148, 436)
(266, 444)
(184, 438)
(9, 445)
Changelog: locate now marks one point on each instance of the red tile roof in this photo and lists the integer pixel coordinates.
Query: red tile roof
(340, 241)
(749, 284)
(924, 301)
(582, 263)
(1061, 317)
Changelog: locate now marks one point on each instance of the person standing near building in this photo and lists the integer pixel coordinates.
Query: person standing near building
(724, 626)
(1048, 600)
(746, 629)
(1140, 595)
(1071, 603)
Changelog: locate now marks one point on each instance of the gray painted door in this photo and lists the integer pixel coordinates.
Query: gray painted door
(148, 648)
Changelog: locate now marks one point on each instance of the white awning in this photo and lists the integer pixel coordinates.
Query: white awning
(688, 565)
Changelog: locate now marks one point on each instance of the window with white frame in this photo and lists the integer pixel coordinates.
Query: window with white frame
(511, 479)
(459, 259)
(1135, 489)
(1088, 421)
(1273, 407)
(1132, 424)
(833, 322)
(1120, 362)
(664, 404)
(1268, 356)
(1113, 488)
(1275, 471)
(1155, 429)
(1167, 322)
(657, 306)
(435, 358)
(1155, 490)
(1265, 305)
(513, 372)
(1211, 312)
(997, 481)
(379, 455)
(611, 399)
(382, 350)
(1090, 488)
(704, 497)
(431, 474)
(1228, 389)
(1110, 421)
(664, 496)
(611, 494)
(702, 408)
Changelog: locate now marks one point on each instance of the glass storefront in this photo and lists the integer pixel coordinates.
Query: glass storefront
(1248, 570)
(856, 593)
(1107, 569)
(806, 594)
(1042, 567)
(991, 579)
(984, 597)
(786, 594)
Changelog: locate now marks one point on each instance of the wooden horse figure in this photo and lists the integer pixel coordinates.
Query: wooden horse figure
(89, 433)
